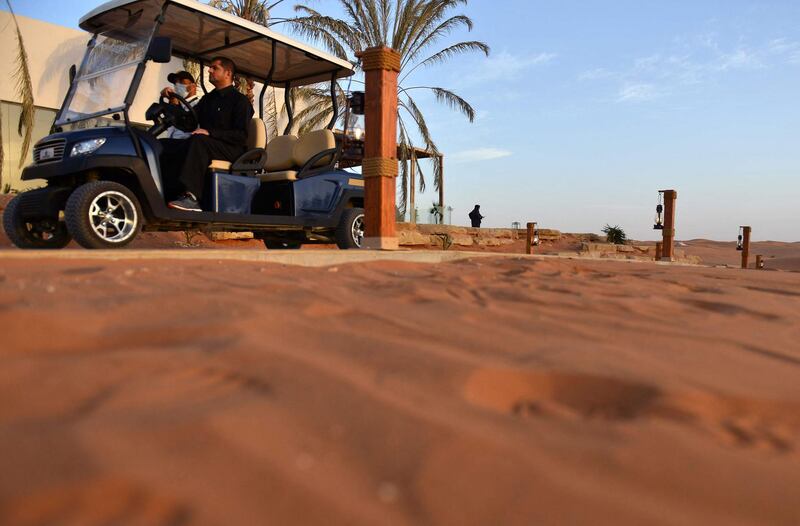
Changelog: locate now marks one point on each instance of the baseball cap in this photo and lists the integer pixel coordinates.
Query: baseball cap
(180, 75)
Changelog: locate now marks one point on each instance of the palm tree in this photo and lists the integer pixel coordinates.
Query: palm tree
(410, 27)
(25, 93)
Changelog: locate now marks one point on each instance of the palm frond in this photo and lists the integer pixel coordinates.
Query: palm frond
(449, 52)
(22, 76)
(426, 40)
(455, 102)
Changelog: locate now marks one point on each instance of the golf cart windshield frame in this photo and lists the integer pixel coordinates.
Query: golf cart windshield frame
(108, 60)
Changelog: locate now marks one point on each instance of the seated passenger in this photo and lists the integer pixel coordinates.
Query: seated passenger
(223, 116)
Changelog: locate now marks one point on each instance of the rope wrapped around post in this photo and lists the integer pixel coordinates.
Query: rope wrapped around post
(380, 58)
(379, 167)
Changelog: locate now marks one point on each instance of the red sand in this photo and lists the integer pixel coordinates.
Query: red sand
(479, 392)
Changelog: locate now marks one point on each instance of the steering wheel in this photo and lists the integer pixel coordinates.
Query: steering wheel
(163, 114)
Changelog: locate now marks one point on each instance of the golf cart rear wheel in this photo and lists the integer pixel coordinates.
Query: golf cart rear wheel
(29, 233)
(350, 232)
(103, 214)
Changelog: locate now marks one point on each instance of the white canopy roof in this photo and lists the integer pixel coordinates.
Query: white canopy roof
(203, 32)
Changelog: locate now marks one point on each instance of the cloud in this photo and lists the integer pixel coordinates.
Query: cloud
(505, 66)
(479, 154)
(692, 61)
(637, 93)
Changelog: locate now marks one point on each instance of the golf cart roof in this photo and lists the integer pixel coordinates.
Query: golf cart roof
(202, 32)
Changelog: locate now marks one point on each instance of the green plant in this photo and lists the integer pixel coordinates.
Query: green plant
(436, 212)
(410, 27)
(25, 93)
(615, 234)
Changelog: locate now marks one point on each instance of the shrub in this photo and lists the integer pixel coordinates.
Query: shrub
(614, 234)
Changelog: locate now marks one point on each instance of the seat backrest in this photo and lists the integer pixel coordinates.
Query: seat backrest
(311, 144)
(280, 153)
(256, 134)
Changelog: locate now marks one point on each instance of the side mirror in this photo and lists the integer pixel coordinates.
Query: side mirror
(160, 50)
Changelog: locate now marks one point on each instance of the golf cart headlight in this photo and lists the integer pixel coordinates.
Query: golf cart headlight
(86, 147)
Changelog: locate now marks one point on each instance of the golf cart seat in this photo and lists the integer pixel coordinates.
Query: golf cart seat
(252, 160)
(290, 158)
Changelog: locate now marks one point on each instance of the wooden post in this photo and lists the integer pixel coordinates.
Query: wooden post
(759, 262)
(529, 240)
(413, 189)
(746, 245)
(381, 66)
(659, 246)
(667, 249)
(441, 185)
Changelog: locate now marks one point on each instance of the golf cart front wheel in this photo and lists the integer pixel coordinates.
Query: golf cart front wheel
(33, 233)
(103, 214)
(350, 232)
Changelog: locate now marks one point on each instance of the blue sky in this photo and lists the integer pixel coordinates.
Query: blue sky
(587, 108)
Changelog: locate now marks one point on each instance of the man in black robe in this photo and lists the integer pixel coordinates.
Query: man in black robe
(476, 217)
(223, 116)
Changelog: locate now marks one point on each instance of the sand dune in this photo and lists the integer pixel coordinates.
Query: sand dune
(487, 391)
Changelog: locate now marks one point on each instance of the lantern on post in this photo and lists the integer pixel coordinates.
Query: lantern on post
(740, 239)
(659, 221)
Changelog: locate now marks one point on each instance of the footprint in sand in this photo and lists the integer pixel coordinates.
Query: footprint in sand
(735, 422)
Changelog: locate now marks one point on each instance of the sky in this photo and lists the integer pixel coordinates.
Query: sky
(586, 108)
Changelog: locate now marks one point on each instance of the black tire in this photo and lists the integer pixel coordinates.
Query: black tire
(84, 219)
(350, 232)
(282, 245)
(42, 233)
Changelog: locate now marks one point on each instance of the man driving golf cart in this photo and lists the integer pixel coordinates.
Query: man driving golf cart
(222, 116)
(105, 184)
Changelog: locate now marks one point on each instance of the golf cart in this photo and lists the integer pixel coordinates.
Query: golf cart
(104, 183)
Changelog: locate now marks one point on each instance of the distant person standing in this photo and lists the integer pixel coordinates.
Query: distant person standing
(476, 217)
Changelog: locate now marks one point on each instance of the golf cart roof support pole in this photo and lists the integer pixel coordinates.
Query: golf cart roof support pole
(381, 66)
(137, 80)
(267, 82)
(287, 101)
(202, 78)
(746, 230)
(667, 249)
(335, 103)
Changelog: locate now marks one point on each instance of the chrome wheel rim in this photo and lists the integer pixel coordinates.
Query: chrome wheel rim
(113, 216)
(357, 231)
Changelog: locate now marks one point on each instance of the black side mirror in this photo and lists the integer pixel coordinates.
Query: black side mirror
(160, 50)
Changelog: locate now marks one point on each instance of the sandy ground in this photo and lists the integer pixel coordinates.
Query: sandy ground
(486, 391)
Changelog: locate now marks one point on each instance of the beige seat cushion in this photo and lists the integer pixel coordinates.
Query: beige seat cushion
(285, 175)
(311, 144)
(219, 166)
(280, 151)
(256, 134)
